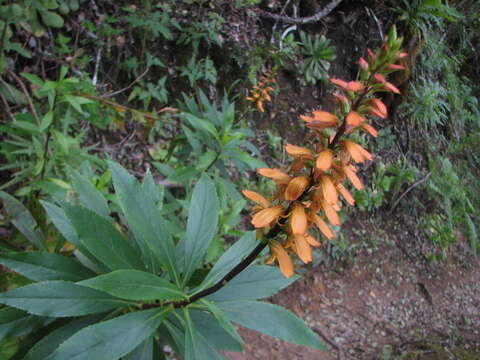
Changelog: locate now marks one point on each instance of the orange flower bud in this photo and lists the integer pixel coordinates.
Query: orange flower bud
(395, 67)
(324, 160)
(256, 197)
(390, 87)
(379, 78)
(296, 187)
(401, 55)
(342, 99)
(267, 216)
(371, 55)
(363, 64)
(298, 220)
(275, 174)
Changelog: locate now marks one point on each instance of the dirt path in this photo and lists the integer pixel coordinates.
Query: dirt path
(383, 295)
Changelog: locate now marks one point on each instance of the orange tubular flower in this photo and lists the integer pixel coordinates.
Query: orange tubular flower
(321, 119)
(298, 151)
(298, 220)
(280, 254)
(378, 108)
(370, 129)
(256, 198)
(296, 187)
(267, 217)
(302, 248)
(324, 160)
(351, 174)
(329, 190)
(348, 86)
(331, 214)
(346, 194)
(354, 119)
(275, 174)
(323, 227)
(358, 153)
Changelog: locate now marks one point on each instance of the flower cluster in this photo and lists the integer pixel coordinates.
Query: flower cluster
(308, 195)
(260, 93)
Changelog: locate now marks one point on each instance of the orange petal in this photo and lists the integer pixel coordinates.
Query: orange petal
(276, 174)
(346, 194)
(324, 160)
(340, 83)
(306, 118)
(342, 99)
(312, 241)
(331, 214)
(256, 197)
(380, 106)
(358, 153)
(379, 78)
(298, 220)
(354, 119)
(370, 129)
(323, 227)
(329, 190)
(352, 176)
(390, 87)
(298, 150)
(303, 250)
(395, 67)
(267, 216)
(296, 187)
(325, 116)
(284, 261)
(355, 86)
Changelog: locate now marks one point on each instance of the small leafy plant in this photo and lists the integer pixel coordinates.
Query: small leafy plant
(318, 54)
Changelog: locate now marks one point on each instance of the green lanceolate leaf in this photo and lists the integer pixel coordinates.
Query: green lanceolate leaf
(231, 258)
(272, 320)
(255, 282)
(213, 332)
(102, 239)
(201, 225)
(89, 196)
(49, 343)
(23, 220)
(15, 322)
(144, 351)
(60, 299)
(51, 19)
(223, 321)
(196, 347)
(41, 266)
(109, 340)
(135, 285)
(63, 224)
(145, 222)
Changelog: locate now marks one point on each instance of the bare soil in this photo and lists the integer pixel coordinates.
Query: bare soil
(384, 297)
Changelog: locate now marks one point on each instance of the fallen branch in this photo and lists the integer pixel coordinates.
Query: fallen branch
(414, 185)
(305, 20)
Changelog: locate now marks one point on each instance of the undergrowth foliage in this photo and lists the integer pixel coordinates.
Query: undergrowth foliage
(134, 270)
